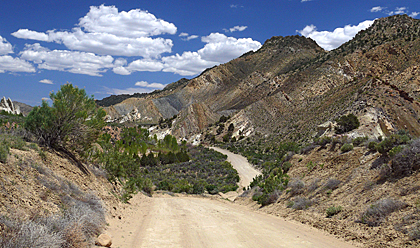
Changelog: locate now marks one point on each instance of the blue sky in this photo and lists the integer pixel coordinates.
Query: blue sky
(116, 47)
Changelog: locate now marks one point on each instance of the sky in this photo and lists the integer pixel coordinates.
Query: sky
(125, 47)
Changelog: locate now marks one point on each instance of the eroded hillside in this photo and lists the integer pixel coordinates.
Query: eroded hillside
(291, 85)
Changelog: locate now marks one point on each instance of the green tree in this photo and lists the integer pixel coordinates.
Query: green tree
(347, 123)
(72, 123)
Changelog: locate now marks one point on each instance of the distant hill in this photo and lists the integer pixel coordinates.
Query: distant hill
(115, 99)
(24, 108)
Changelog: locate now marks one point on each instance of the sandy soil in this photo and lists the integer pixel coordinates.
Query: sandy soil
(184, 221)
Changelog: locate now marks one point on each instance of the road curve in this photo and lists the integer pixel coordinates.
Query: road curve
(245, 170)
(167, 221)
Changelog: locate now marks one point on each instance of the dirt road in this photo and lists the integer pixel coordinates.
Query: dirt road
(186, 221)
(171, 221)
(245, 170)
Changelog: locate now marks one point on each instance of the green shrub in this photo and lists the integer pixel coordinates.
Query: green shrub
(212, 189)
(226, 137)
(286, 167)
(395, 150)
(390, 142)
(72, 123)
(372, 146)
(4, 151)
(183, 186)
(331, 211)
(347, 123)
(323, 140)
(360, 140)
(199, 187)
(346, 147)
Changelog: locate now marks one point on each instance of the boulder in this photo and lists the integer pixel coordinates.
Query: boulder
(104, 240)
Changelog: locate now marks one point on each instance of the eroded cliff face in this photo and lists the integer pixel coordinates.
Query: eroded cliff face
(291, 85)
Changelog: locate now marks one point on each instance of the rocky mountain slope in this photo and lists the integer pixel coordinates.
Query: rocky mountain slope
(291, 85)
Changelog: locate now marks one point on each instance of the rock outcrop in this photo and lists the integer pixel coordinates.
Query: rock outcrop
(8, 106)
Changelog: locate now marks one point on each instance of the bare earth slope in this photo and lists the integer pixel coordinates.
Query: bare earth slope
(168, 221)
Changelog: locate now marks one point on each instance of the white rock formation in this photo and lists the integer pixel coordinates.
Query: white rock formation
(8, 106)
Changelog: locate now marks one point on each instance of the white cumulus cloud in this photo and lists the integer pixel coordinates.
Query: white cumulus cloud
(46, 81)
(414, 14)
(219, 49)
(134, 23)
(331, 40)
(5, 46)
(149, 85)
(31, 35)
(236, 28)
(139, 65)
(105, 31)
(186, 36)
(70, 61)
(377, 9)
(398, 11)
(8, 63)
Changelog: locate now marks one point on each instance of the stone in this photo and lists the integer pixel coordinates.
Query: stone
(104, 240)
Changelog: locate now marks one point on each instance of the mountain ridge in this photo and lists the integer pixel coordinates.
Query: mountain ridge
(291, 85)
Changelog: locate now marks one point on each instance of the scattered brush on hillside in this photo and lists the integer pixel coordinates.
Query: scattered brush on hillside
(76, 226)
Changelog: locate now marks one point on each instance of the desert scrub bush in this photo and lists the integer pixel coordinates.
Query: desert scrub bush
(360, 140)
(346, 123)
(4, 151)
(407, 161)
(268, 183)
(300, 203)
(414, 232)
(392, 141)
(346, 147)
(73, 227)
(313, 185)
(295, 186)
(375, 214)
(372, 145)
(322, 141)
(333, 210)
(332, 184)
